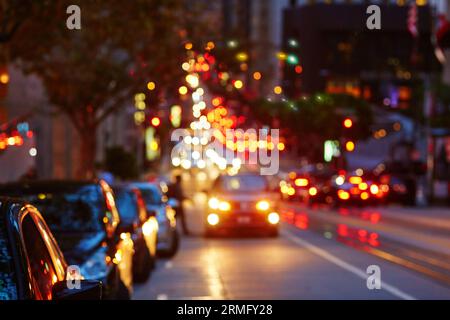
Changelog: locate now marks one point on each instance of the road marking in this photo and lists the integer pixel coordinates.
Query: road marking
(168, 265)
(344, 265)
(162, 296)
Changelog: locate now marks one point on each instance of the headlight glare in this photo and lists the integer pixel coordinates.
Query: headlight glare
(263, 205)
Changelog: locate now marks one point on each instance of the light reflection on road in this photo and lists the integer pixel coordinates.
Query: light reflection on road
(327, 222)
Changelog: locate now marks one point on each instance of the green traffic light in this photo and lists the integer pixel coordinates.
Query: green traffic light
(292, 59)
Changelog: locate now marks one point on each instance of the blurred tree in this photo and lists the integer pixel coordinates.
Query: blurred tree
(316, 119)
(92, 72)
(13, 14)
(120, 163)
(441, 115)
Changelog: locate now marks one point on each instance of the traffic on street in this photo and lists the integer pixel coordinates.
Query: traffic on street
(224, 150)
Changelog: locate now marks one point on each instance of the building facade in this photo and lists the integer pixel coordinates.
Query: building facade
(339, 54)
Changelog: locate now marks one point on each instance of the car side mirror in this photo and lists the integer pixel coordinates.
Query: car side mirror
(87, 290)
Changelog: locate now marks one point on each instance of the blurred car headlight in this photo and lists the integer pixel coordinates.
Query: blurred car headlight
(213, 219)
(217, 204)
(214, 203)
(224, 206)
(263, 205)
(273, 218)
(340, 180)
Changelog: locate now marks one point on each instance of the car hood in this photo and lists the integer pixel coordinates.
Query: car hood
(246, 197)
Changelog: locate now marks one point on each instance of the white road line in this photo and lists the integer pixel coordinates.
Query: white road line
(344, 265)
(162, 297)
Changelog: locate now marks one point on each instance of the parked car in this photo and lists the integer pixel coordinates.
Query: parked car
(242, 203)
(84, 218)
(141, 226)
(155, 201)
(32, 265)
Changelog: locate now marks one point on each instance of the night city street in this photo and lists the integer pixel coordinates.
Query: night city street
(310, 260)
(199, 154)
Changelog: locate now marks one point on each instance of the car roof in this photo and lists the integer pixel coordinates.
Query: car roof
(6, 202)
(43, 186)
(144, 185)
(122, 186)
(6, 212)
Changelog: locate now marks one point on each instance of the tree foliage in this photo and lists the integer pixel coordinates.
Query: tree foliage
(90, 73)
(12, 14)
(316, 119)
(441, 116)
(120, 163)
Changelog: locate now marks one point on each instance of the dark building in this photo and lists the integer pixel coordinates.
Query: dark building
(337, 53)
(254, 27)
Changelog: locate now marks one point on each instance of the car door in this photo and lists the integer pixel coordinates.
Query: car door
(45, 263)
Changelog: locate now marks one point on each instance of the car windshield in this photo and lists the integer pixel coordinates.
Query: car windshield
(151, 196)
(75, 210)
(8, 290)
(247, 183)
(126, 205)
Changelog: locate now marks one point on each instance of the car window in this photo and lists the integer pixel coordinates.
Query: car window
(127, 206)
(42, 270)
(75, 210)
(59, 261)
(8, 288)
(151, 196)
(248, 183)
